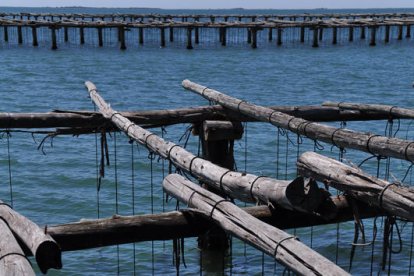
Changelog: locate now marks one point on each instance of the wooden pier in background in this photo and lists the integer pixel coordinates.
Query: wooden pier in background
(313, 29)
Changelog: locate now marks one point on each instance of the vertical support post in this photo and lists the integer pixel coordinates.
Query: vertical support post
(196, 32)
(320, 34)
(315, 38)
(141, 35)
(362, 32)
(34, 36)
(6, 33)
(54, 42)
(66, 33)
(122, 37)
(334, 35)
(387, 34)
(223, 31)
(82, 35)
(254, 37)
(279, 36)
(19, 35)
(351, 34)
(408, 33)
(270, 34)
(302, 34)
(373, 36)
(189, 39)
(162, 37)
(100, 37)
(171, 34)
(400, 32)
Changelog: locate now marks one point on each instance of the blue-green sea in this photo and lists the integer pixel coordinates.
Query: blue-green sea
(60, 186)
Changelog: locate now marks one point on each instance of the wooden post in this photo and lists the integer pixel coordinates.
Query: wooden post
(82, 35)
(122, 37)
(302, 34)
(12, 259)
(334, 35)
(54, 42)
(254, 38)
(223, 36)
(400, 32)
(6, 33)
(19, 35)
(320, 33)
(141, 35)
(162, 37)
(171, 34)
(34, 37)
(351, 34)
(196, 35)
(189, 39)
(279, 36)
(408, 34)
(315, 37)
(387, 34)
(249, 35)
(362, 28)
(373, 36)
(66, 33)
(100, 36)
(270, 34)
(292, 253)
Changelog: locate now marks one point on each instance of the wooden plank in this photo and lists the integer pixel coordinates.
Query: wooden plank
(392, 197)
(12, 259)
(299, 194)
(343, 138)
(283, 247)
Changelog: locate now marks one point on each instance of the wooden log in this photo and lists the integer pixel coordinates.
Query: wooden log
(12, 259)
(34, 37)
(186, 223)
(284, 248)
(299, 194)
(391, 111)
(343, 138)
(222, 130)
(41, 245)
(391, 197)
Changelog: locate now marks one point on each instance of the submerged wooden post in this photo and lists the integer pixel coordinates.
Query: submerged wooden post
(387, 34)
(162, 37)
(19, 35)
(334, 35)
(122, 38)
(223, 36)
(12, 259)
(351, 34)
(302, 34)
(400, 32)
(6, 33)
(197, 35)
(254, 38)
(100, 37)
(408, 31)
(141, 35)
(249, 35)
(279, 36)
(270, 34)
(54, 42)
(270, 240)
(315, 37)
(189, 39)
(82, 35)
(362, 29)
(34, 36)
(320, 34)
(66, 33)
(171, 34)
(373, 36)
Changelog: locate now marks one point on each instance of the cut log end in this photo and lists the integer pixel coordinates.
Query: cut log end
(48, 255)
(305, 194)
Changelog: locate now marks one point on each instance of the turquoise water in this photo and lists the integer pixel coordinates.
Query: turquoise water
(60, 186)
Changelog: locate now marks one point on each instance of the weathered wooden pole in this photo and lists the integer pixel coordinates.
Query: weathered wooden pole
(82, 35)
(392, 197)
(196, 35)
(54, 40)
(284, 248)
(223, 36)
(66, 34)
(12, 259)
(249, 35)
(299, 194)
(334, 35)
(373, 36)
(344, 138)
(6, 33)
(315, 37)
(19, 35)
(100, 36)
(121, 31)
(141, 35)
(320, 33)
(270, 34)
(302, 34)
(41, 245)
(279, 36)
(387, 34)
(254, 38)
(171, 34)
(362, 34)
(34, 36)
(351, 34)
(408, 31)
(189, 38)
(162, 37)
(400, 32)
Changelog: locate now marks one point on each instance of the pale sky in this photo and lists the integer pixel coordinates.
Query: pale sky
(214, 4)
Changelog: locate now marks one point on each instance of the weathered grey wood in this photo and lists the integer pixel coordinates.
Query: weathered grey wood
(90, 119)
(41, 245)
(221, 130)
(297, 194)
(185, 223)
(393, 198)
(391, 111)
(13, 262)
(344, 138)
(272, 241)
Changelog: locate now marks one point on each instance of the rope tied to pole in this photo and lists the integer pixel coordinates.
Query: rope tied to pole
(251, 187)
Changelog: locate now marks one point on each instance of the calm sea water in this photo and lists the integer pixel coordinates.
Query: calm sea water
(60, 186)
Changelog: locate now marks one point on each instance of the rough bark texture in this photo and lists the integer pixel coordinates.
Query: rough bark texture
(299, 194)
(392, 197)
(274, 242)
(344, 138)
